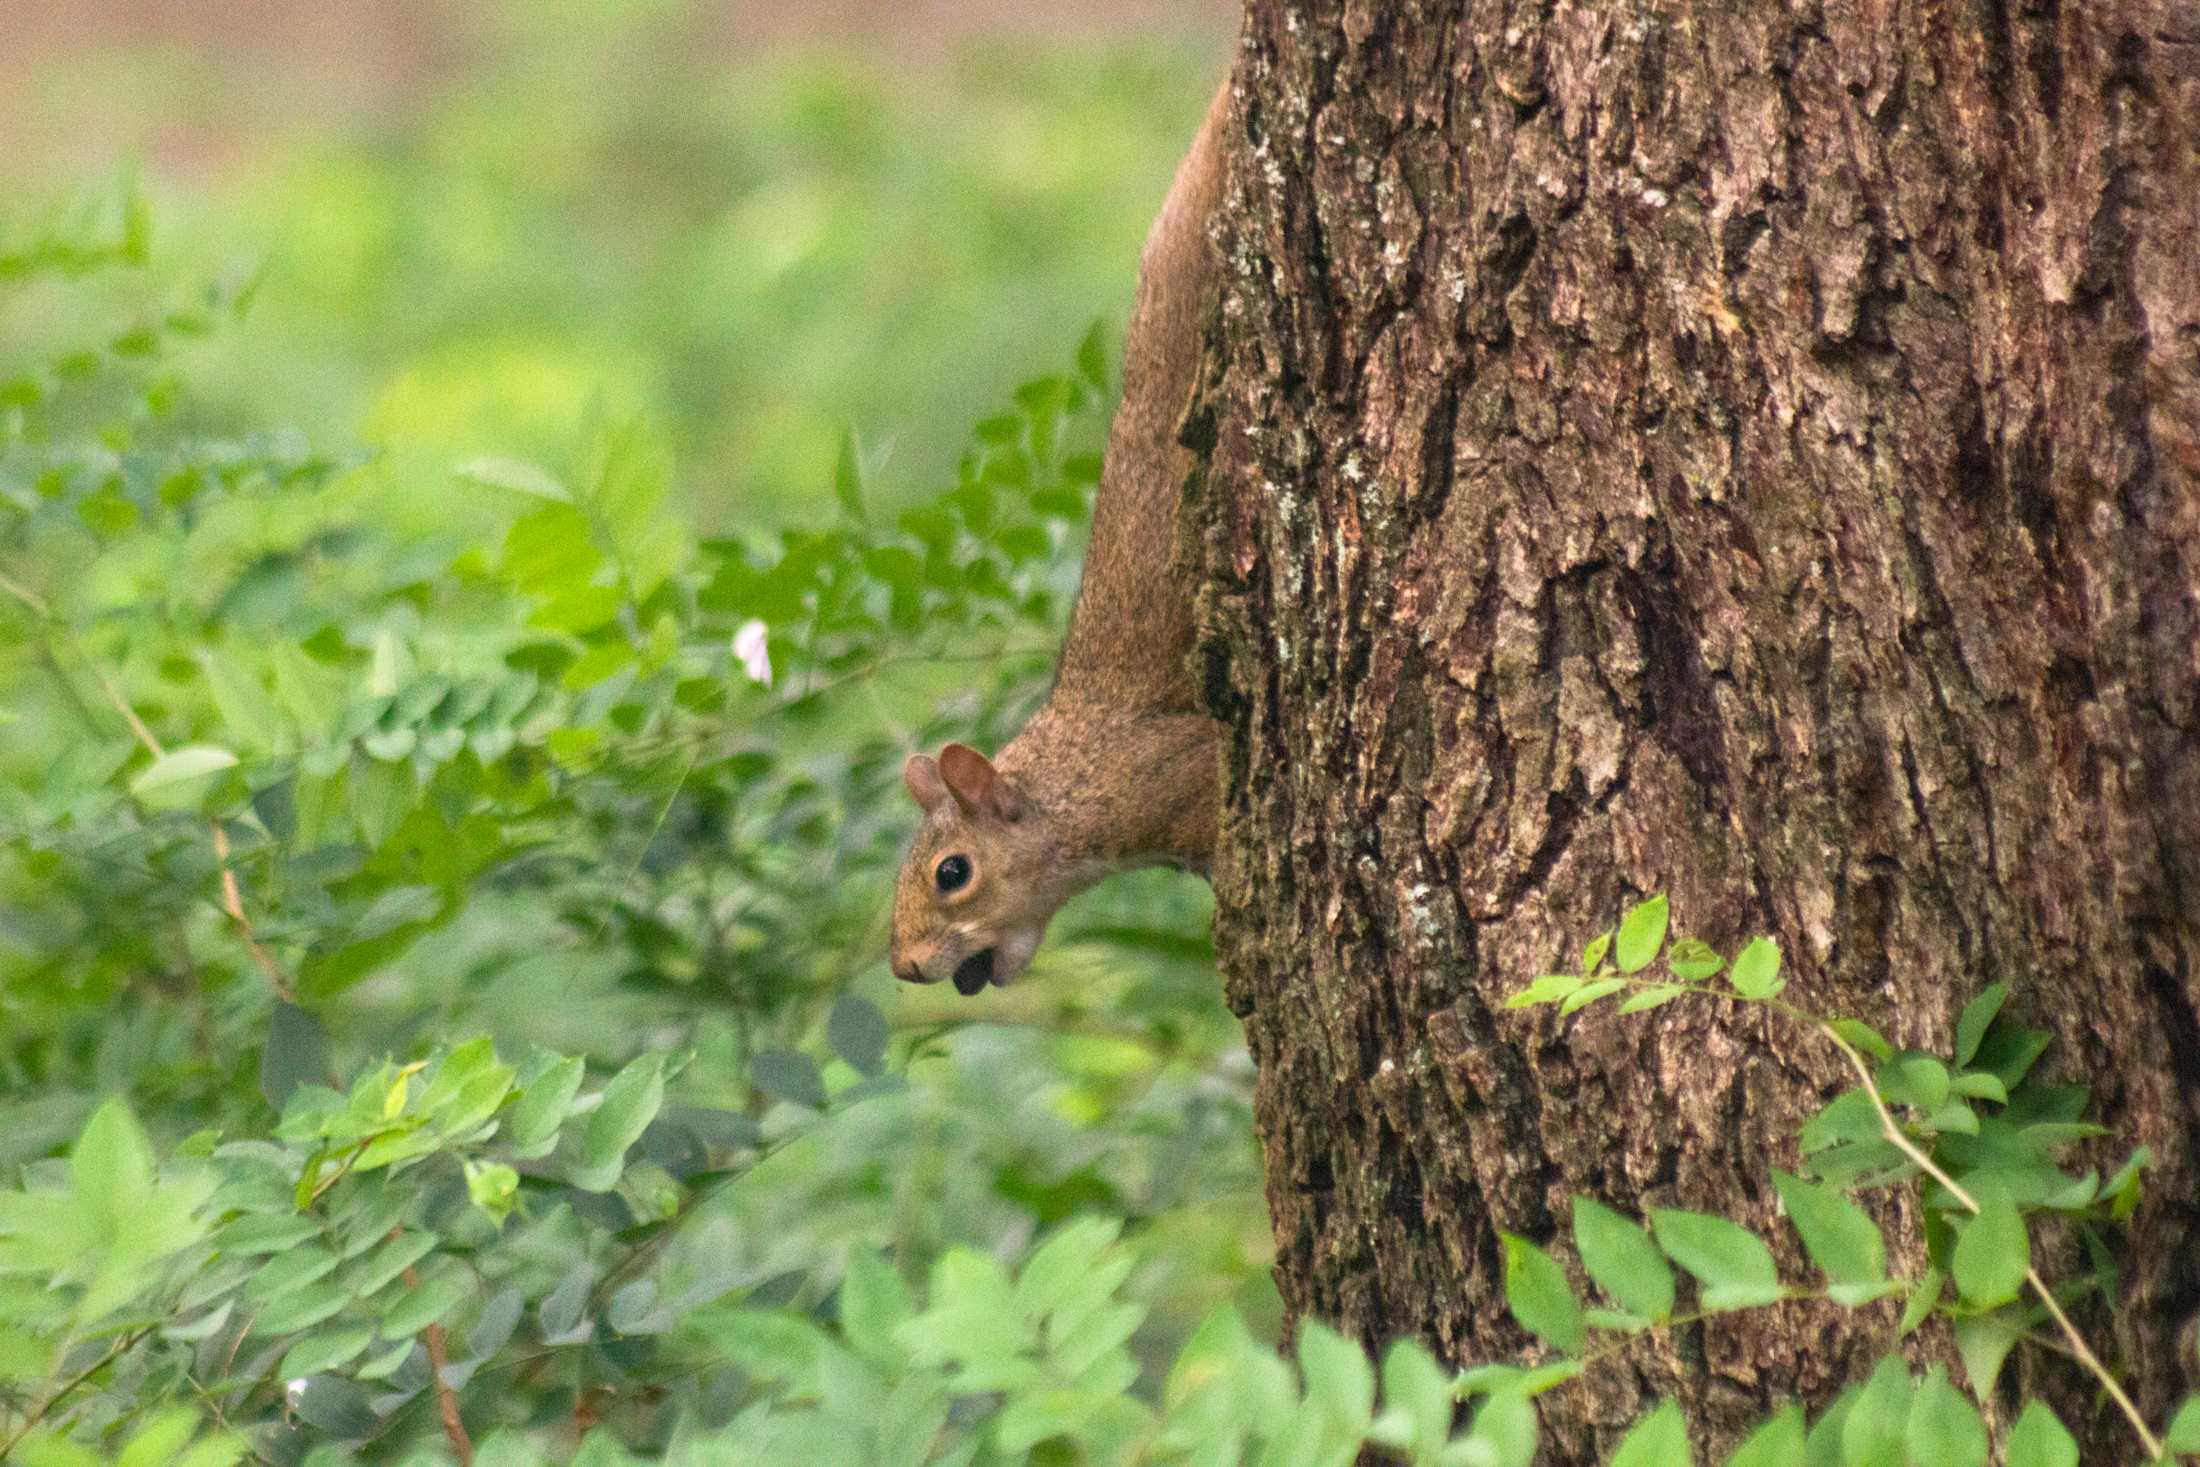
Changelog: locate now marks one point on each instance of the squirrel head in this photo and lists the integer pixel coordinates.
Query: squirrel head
(980, 880)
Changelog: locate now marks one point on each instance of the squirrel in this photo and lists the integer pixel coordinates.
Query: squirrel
(1117, 769)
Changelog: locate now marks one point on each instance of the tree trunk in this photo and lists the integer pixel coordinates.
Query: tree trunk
(1748, 449)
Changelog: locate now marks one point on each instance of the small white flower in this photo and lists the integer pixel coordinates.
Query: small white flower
(756, 658)
(295, 1390)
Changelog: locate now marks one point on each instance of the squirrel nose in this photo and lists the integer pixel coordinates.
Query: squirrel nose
(907, 971)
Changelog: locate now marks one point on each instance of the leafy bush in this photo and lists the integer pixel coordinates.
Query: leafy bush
(301, 774)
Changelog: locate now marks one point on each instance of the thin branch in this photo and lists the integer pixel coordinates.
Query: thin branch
(1892, 1130)
(446, 1399)
(2092, 1362)
(2078, 1347)
(62, 1392)
(232, 899)
(26, 595)
(233, 905)
(122, 705)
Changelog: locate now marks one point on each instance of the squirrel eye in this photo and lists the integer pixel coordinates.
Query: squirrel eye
(953, 873)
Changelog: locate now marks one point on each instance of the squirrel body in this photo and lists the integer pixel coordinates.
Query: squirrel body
(1117, 769)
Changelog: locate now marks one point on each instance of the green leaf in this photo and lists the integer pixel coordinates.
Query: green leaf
(302, 1308)
(1850, 1116)
(1984, 1341)
(2040, 1440)
(532, 1127)
(1924, 1294)
(1977, 1017)
(873, 1303)
(857, 1032)
(1589, 993)
(1734, 1265)
(179, 767)
(848, 477)
(1548, 989)
(1499, 1379)
(630, 1102)
(428, 1302)
(389, 1259)
(1756, 971)
(563, 1312)
(267, 1232)
(788, 1075)
(159, 1439)
(1092, 357)
(1914, 1078)
(1506, 1427)
(1592, 956)
(1641, 934)
(1992, 1254)
(1339, 1377)
(111, 1168)
(1692, 960)
(515, 475)
(1976, 1085)
(1872, 1435)
(2183, 1434)
(1416, 1387)
(317, 1353)
(1945, 1428)
(493, 1187)
(1621, 1258)
(2010, 1050)
(1658, 1440)
(1863, 1037)
(332, 1404)
(1953, 1118)
(248, 711)
(1777, 1443)
(1822, 1446)
(1646, 999)
(1539, 1296)
(1063, 1267)
(1844, 1243)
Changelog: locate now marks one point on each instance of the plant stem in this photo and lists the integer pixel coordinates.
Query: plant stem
(1900, 1139)
(232, 895)
(446, 1399)
(68, 1387)
(2078, 1347)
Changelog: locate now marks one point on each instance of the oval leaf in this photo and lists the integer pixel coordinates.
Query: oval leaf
(2039, 1439)
(1658, 1440)
(1756, 970)
(1539, 1296)
(1844, 1243)
(1641, 934)
(193, 761)
(1735, 1266)
(1621, 1258)
(785, 1075)
(1992, 1254)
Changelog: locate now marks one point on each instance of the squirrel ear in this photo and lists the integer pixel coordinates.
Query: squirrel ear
(977, 785)
(922, 776)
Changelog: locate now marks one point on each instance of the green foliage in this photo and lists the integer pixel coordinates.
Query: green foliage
(306, 772)
(1976, 1133)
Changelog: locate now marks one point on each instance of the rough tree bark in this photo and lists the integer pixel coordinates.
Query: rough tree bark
(1742, 448)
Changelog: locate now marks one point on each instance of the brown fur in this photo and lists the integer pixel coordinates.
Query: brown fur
(1118, 769)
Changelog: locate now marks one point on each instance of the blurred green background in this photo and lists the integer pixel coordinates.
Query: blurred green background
(467, 798)
(760, 222)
